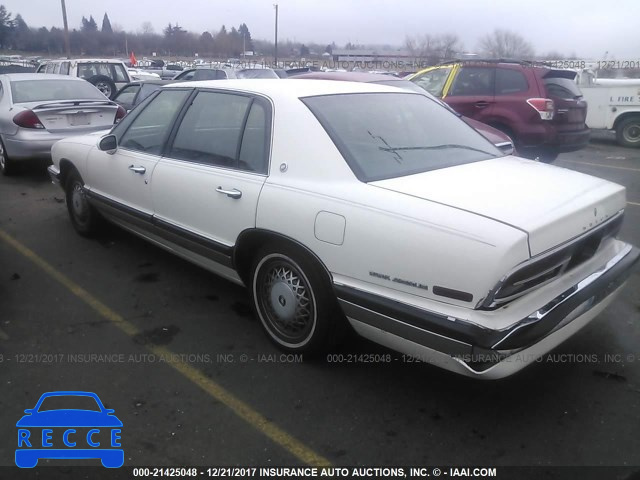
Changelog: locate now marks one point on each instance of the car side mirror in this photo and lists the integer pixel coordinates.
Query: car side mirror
(108, 144)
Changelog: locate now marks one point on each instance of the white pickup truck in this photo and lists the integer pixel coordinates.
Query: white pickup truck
(614, 104)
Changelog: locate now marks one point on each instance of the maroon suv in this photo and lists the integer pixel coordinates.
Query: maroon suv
(540, 107)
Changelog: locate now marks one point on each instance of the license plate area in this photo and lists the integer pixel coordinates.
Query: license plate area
(79, 119)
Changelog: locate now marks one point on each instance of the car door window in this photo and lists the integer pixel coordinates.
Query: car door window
(64, 68)
(148, 131)
(473, 81)
(433, 81)
(127, 94)
(186, 75)
(205, 74)
(211, 130)
(510, 81)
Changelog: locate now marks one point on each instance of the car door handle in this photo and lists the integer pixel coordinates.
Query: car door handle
(482, 104)
(137, 169)
(235, 193)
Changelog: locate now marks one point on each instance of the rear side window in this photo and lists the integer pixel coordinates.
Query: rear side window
(147, 89)
(120, 73)
(253, 151)
(510, 81)
(562, 88)
(64, 68)
(211, 130)
(473, 81)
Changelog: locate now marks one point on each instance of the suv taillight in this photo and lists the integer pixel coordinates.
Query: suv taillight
(27, 119)
(120, 113)
(544, 106)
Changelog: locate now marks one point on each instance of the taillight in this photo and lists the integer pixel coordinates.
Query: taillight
(120, 113)
(27, 119)
(544, 106)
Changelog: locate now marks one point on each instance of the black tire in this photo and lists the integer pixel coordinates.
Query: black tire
(105, 85)
(6, 165)
(628, 132)
(293, 299)
(84, 217)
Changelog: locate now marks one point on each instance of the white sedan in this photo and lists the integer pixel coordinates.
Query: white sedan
(339, 203)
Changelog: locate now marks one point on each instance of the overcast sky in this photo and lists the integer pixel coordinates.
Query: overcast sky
(587, 28)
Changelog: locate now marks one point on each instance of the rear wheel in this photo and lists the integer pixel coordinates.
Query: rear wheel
(628, 132)
(294, 301)
(6, 165)
(84, 217)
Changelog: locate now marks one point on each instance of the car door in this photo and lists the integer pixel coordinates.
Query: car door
(472, 92)
(206, 189)
(122, 180)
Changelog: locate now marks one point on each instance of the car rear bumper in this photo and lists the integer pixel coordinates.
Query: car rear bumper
(474, 350)
(37, 143)
(571, 141)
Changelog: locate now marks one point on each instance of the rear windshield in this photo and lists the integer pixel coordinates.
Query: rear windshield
(562, 88)
(24, 91)
(388, 135)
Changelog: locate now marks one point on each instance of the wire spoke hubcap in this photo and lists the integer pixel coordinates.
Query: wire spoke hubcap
(79, 203)
(286, 301)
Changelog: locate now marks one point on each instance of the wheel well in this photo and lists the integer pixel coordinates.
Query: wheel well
(625, 116)
(66, 167)
(251, 241)
(503, 128)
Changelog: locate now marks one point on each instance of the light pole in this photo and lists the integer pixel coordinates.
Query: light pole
(275, 5)
(67, 48)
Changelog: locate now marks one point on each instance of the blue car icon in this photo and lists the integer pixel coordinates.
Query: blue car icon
(69, 433)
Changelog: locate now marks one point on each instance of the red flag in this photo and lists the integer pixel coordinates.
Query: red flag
(132, 59)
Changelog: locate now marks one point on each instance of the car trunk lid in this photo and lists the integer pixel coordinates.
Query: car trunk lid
(77, 115)
(551, 204)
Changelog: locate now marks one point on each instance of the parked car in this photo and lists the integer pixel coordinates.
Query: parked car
(38, 110)
(261, 73)
(495, 136)
(539, 107)
(195, 74)
(135, 92)
(481, 262)
(108, 75)
(137, 74)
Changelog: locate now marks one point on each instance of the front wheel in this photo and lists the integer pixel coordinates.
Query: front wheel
(628, 132)
(294, 301)
(84, 218)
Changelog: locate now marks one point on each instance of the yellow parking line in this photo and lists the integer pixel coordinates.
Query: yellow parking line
(240, 408)
(599, 165)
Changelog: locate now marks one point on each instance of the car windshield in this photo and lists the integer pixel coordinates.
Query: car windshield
(67, 402)
(53, 90)
(388, 135)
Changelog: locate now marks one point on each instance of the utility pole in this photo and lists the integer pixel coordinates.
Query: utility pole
(276, 52)
(67, 48)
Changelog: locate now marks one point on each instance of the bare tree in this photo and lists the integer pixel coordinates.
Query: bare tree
(147, 28)
(505, 44)
(433, 48)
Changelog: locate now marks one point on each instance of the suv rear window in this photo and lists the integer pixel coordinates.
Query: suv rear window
(388, 135)
(562, 88)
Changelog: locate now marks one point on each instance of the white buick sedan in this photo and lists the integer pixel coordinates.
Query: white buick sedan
(339, 203)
